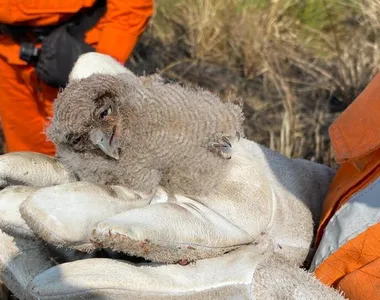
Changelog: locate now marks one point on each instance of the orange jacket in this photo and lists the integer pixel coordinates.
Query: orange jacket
(115, 34)
(348, 237)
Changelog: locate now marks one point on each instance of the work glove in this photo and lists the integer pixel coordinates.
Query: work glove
(66, 213)
(249, 203)
(58, 53)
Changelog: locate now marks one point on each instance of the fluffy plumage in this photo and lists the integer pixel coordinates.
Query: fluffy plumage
(159, 133)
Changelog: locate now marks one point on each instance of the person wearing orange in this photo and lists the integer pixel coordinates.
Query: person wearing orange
(27, 89)
(348, 237)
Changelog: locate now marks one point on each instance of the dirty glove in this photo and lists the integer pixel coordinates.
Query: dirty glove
(31, 272)
(264, 194)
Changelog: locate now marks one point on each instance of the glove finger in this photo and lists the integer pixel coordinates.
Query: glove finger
(94, 62)
(226, 277)
(64, 215)
(10, 218)
(20, 261)
(170, 232)
(32, 169)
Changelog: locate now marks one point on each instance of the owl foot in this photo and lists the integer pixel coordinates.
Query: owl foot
(221, 144)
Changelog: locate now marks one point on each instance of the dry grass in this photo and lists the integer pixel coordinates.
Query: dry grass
(293, 62)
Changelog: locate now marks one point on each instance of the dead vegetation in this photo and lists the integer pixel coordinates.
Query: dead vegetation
(295, 63)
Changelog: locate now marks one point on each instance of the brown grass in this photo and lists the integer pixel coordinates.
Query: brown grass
(295, 64)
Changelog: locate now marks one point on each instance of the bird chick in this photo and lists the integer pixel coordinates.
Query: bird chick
(141, 133)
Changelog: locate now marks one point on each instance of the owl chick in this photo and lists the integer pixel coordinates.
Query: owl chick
(141, 133)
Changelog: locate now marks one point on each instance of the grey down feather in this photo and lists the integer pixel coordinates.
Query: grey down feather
(163, 133)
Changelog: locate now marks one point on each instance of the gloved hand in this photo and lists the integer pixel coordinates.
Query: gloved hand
(58, 54)
(67, 211)
(250, 203)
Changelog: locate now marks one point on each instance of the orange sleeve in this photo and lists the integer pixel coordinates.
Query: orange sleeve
(363, 283)
(123, 23)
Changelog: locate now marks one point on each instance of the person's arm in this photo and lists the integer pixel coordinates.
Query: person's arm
(363, 283)
(124, 21)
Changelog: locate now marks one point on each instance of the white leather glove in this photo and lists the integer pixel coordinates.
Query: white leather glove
(263, 195)
(66, 213)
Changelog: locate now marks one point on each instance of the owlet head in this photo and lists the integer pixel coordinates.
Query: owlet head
(87, 116)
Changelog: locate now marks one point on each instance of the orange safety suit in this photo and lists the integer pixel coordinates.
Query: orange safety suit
(348, 237)
(25, 102)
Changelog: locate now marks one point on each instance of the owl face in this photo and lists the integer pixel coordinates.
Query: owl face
(86, 116)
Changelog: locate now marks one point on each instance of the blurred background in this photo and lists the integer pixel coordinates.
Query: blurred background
(296, 64)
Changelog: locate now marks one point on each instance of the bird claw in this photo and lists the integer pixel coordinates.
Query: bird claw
(221, 144)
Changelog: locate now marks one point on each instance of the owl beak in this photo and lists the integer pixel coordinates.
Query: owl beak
(106, 142)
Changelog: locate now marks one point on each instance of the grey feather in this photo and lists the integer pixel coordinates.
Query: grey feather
(165, 131)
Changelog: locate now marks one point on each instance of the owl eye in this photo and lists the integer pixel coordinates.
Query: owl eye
(105, 113)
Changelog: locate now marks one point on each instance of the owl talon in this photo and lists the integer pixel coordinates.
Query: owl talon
(221, 145)
(226, 140)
